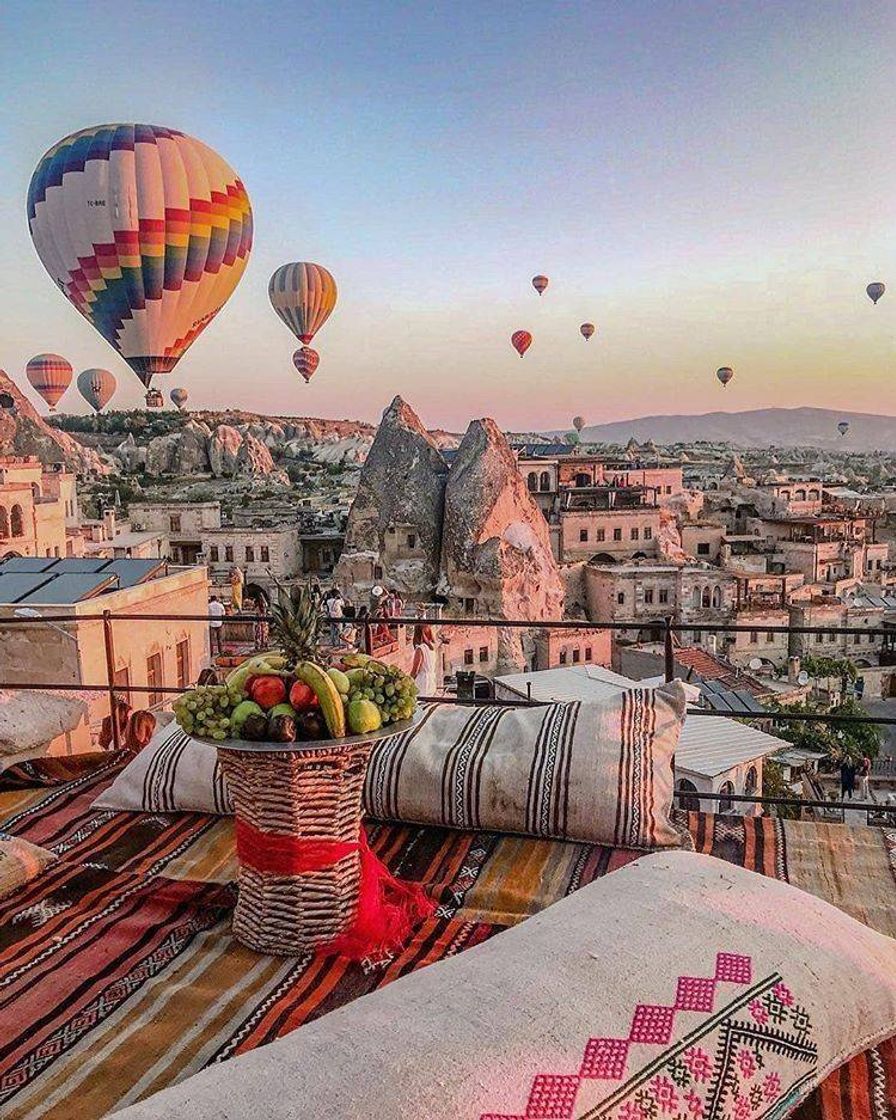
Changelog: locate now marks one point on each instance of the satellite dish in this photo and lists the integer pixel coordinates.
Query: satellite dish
(803, 678)
(756, 663)
(377, 591)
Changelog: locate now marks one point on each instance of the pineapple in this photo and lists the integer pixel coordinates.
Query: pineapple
(296, 623)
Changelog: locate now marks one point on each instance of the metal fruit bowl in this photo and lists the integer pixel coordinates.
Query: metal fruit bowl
(249, 746)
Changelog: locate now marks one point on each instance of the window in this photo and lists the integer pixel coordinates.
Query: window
(56, 551)
(726, 790)
(576, 655)
(250, 554)
(717, 596)
(635, 534)
(412, 541)
(122, 680)
(587, 653)
(706, 597)
(668, 489)
(648, 533)
(470, 606)
(483, 654)
(562, 656)
(182, 653)
(620, 598)
(751, 782)
(688, 803)
(856, 639)
(648, 595)
(213, 554)
(532, 481)
(468, 657)
(545, 480)
(832, 638)
(770, 636)
(703, 548)
(154, 679)
(600, 535)
(228, 553)
(754, 637)
(4, 522)
(16, 521)
(698, 637)
(664, 595)
(174, 523)
(617, 534)
(583, 534)
(583, 480)
(265, 554)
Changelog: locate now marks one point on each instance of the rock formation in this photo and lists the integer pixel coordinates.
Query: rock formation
(24, 432)
(395, 521)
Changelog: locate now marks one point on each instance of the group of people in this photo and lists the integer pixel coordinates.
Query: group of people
(217, 612)
(849, 770)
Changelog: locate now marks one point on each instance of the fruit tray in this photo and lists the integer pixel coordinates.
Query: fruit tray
(246, 746)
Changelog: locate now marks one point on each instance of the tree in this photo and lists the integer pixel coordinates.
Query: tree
(838, 740)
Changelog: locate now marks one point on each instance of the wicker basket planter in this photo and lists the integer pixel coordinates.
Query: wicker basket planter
(284, 794)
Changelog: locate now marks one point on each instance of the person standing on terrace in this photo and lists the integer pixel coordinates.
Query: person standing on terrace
(216, 611)
(423, 667)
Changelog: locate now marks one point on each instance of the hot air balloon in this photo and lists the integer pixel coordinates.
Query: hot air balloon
(154, 399)
(578, 422)
(146, 231)
(724, 374)
(50, 375)
(587, 330)
(539, 283)
(875, 291)
(303, 295)
(96, 386)
(843, 427)
(306, 361)
(178, 397)
(521, 341)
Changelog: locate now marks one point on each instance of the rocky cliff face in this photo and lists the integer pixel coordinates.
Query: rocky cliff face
(24, 432)
(495, 543)
(396, 518)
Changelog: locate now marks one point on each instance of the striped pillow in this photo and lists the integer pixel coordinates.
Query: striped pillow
(173, 773)
(597, 772)
(20, 862)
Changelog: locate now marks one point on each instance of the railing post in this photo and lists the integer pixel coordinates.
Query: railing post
(110, 679)
(668, 651)
(368, 639)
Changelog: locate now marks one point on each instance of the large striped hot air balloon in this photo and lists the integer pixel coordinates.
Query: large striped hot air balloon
(49, 375)
(521, 341)
(306, 362)
(96, 386)
(303, 295)
(146, 231)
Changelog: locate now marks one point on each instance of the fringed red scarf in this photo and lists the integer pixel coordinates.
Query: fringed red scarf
(388, 909)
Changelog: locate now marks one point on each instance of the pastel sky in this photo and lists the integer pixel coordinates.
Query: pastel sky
(710, 183)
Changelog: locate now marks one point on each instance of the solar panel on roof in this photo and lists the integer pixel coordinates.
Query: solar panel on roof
(74, 588)
(748, 701)
(132, 572)
(27, 564)
(80, 565)
(17, 585)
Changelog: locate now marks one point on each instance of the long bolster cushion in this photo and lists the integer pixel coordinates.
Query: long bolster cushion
(677, 986)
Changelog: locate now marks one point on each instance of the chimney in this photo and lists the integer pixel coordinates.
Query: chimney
(109, 524)
(794, 666)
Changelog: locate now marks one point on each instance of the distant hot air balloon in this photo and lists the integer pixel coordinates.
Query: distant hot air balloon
(843, 427)
(303, 295)
(146, 231)
(578, 422)
(96, 386)
(154, 399)
(724, 374)
(875, 291)
(306, 361)
(50, 375)
(521, 341)
(587, 330)
(539, 283)
(178, 397)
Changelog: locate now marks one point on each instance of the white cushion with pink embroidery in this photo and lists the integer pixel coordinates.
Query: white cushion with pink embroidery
(678, 986)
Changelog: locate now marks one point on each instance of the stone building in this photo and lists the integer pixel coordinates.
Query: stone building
(265, 556)
(183, 523)
(38, 509)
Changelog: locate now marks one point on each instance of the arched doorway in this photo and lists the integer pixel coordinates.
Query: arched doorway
(16, 522)
(687, 802)
(726, 789)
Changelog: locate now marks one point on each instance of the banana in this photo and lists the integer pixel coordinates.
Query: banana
(327, 694)
(355, 660)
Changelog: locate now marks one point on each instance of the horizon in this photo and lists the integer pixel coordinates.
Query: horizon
(709, 187)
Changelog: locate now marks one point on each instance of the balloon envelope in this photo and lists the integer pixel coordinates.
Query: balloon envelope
(50, 375)
(875, 291)
(521, 341)
(539, 283)
(178, 397)
(587, 330)
(146, 230)
(96, 386)
(843, 427)
(724, 374)
(578, 422)
(306, 361)
(303, 295)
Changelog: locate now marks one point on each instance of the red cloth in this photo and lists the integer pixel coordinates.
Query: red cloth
(388, 909)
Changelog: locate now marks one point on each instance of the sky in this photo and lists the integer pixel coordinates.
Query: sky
(709, 183)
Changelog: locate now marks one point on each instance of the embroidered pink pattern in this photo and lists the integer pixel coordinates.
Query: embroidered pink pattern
(698, 1062)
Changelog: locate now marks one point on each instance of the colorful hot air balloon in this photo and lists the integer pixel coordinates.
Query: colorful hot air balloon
(50, 375)
(303, 295)
(539, 283)
(843, 427)
(521, 341)
(587, 330)
(875, 291)
(578, 422)
(724, 374)
(178, 397)
(306, 361)
(146, 231)
(96, 386)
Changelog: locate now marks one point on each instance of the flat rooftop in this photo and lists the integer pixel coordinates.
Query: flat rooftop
(39, 581)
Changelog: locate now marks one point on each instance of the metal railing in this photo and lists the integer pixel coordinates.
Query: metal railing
(368, 626)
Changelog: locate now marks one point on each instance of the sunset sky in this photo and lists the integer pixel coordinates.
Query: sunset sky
(710, 183)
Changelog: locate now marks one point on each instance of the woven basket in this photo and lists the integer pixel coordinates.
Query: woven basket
(307, 793)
